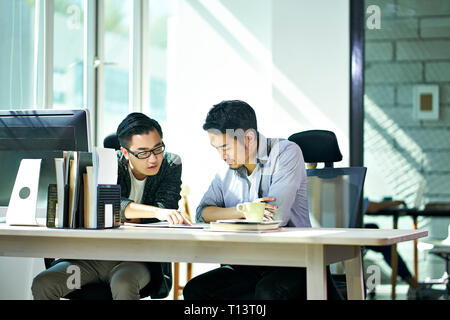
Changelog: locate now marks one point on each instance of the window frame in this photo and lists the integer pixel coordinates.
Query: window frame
(93, 59)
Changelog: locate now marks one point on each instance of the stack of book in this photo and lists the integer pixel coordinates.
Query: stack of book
(86, 194)
(241, 225)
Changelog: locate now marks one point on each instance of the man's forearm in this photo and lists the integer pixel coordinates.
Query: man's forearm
(136, 211)
(211, 213)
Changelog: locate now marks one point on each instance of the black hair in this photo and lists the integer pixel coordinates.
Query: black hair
(231, 114)
(135, 123)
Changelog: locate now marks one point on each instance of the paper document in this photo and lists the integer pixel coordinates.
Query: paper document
(164, 224)
(106, 166)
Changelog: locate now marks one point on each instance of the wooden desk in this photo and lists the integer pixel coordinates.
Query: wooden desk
(312, 248)
(395, 213)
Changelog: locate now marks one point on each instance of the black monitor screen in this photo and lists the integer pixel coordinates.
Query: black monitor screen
(38, 134)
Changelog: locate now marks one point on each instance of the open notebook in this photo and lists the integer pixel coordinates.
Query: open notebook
(164, 224)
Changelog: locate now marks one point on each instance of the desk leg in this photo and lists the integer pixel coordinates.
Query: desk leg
(354, 276)
(316, 276)
(394, 263)
(416, 255)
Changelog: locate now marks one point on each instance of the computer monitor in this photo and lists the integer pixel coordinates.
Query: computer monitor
(38, 134)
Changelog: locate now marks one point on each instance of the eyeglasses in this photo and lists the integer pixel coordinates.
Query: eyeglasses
(145, 154)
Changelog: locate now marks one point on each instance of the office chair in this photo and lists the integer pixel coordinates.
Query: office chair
(318, 146)
(334, 194)
(111, 141)
(342, 185)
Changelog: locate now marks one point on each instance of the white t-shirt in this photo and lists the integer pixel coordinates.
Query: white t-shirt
(137, 187)
(252, 178)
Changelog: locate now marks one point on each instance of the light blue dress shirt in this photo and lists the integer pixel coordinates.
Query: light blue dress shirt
(281, 175)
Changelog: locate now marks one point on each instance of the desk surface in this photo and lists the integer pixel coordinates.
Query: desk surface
(313, 248)
(338, 236)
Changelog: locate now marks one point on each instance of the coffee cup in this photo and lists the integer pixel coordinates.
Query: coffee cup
(253, 211)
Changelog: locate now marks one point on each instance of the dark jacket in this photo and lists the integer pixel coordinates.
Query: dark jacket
(161, 190)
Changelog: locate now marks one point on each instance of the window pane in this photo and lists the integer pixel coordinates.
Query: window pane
(159, 13)
(68, 53)
(116, 102)
(408, 50)
(16, 54)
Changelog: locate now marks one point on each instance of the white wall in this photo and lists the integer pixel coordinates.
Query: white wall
(288, 59)
(310, 78)
(16, 276)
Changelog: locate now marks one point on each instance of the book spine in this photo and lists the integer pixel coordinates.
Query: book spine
(66, 206)
(60, 167)
(52, 199)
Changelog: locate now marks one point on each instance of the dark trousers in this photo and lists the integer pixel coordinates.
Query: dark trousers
(402, 269)
(236, 282)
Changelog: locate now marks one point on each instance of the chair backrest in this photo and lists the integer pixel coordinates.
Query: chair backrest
(111, 142)
(318, 146)
(334, 196)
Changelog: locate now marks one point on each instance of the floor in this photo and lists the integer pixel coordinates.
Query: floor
(383, 292)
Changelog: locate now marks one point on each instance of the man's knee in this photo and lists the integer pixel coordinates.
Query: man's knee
(270, 291)
(44, 286)
(284, 284)
(38, 284)
(192, 290)
(125, 287)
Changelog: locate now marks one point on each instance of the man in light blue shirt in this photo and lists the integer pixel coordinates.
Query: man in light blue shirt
(259, 169)
(279, 173)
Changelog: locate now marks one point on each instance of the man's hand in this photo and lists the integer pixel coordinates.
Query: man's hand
(268, 215)
(172, 216)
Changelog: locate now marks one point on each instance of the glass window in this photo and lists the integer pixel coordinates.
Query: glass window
(116, 70)
(68, 53)
(406, 49)
(16, 54)
(159, 14)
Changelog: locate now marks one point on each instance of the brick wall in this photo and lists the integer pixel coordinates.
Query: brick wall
(412, 47)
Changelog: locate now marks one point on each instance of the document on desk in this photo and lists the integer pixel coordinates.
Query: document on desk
(74, 188)
(62, 192)
(164, 224)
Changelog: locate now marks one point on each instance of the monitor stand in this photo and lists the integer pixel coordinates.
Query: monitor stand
(23, 202)
(41, 216)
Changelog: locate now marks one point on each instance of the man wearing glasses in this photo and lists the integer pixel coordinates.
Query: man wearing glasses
(149, 178)
(150, 181)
